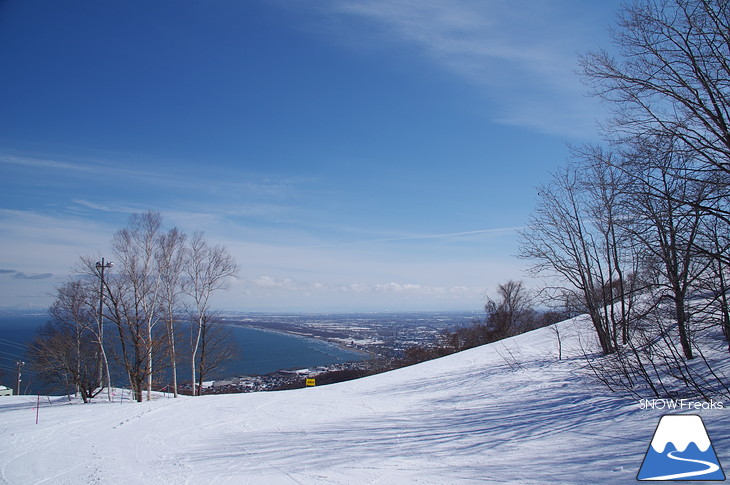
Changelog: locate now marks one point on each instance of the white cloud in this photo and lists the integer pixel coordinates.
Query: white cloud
(271, 282)
(393, 274)
(284, 284)
(300, 262)
(270, 293)
(522, 56)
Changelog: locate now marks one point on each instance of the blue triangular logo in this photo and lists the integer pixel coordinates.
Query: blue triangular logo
(681, 450)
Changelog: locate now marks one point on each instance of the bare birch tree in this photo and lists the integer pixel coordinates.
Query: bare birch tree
(170, 261)
(216, 346)
(135, 293)
(208, 270)
(158, 277)
(67, 348)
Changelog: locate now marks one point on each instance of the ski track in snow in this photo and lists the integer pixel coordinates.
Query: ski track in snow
(472, 417)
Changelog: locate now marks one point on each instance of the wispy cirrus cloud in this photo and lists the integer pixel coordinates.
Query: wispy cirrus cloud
(413, 237)
(44, 163)
(522, 56)
(19, 275)
(114, 171)
(107, 170)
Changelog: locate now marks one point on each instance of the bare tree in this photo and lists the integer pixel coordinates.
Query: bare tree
(619, 255)
(671, 78)
(670, 81)
(512, 311)
(135, 294)
(66, 349)
(559, 340)
(216, 346)
(170, 260)
(649, 216)
(667, 220)
(716, 284)
(574, 238)
(208, 269)
(157, 278)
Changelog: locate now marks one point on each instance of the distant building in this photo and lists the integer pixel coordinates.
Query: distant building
(226, 382)
(5, 391)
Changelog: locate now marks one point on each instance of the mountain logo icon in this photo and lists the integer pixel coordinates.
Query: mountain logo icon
(681, 450)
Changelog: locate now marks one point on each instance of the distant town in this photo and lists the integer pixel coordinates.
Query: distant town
(383, 336)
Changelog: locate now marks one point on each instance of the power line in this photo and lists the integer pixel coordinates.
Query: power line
(12, 343)
(14, 356)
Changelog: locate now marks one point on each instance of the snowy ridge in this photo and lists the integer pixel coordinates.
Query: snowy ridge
(508, 412)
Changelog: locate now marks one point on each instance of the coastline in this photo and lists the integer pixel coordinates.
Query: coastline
(292, 377)
(333, 344)
(338, 342)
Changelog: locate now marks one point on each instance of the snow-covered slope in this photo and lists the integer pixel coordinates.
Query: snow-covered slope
(508, 412)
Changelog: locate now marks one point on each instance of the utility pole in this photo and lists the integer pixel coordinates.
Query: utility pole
(101, 266)
(20, 364)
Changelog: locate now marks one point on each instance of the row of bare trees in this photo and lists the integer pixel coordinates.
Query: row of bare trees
(130, 318)
(636, 232)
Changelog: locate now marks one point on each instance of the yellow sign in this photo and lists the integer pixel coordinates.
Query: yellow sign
(310, 383)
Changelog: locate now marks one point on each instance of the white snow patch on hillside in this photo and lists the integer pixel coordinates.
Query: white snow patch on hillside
(508, 412)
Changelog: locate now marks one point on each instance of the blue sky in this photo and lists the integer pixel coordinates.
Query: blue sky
(361, 155)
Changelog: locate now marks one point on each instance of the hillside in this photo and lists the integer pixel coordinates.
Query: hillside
(508, 412)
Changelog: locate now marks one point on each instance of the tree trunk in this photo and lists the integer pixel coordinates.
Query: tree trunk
(149, 359)
(196, 343)
(682, 325)
(173, 355)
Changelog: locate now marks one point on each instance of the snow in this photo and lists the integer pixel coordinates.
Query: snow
(508, 412)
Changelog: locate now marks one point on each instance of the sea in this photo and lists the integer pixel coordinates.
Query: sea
(261, 352)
